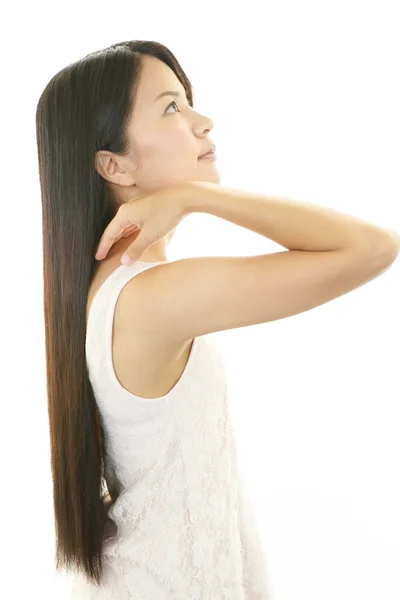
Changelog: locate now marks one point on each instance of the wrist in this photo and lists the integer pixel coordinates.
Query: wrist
(196, 196)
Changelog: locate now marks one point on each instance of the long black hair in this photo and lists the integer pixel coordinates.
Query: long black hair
(83, 109)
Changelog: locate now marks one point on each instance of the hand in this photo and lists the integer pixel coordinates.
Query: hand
(152, 216)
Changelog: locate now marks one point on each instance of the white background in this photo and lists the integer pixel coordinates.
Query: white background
(305, 102)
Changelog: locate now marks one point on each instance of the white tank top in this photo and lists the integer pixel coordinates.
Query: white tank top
(185, 528)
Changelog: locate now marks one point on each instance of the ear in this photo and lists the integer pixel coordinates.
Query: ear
(112, 168)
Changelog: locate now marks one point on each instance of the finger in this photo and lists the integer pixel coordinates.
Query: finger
(127, 233)
(135, 250)
(112, 233)
(130, 231)
(109, 237)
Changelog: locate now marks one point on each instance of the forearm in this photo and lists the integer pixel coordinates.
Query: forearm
(292, 224)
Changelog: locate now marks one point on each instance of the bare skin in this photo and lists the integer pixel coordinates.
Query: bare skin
(169, 136)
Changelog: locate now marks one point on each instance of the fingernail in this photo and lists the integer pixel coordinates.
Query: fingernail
(126, 260)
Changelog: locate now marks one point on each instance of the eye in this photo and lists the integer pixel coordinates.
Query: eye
(173, 102)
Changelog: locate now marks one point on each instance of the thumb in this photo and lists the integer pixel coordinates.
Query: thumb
(135, 250)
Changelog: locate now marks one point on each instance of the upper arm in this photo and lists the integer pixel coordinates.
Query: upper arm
(195, 296)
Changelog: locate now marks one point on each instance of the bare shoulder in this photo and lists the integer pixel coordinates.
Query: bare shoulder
(140, 328)
(138, 310)
(135, 327)
(147, 361)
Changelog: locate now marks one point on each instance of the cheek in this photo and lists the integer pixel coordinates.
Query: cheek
(181, 143)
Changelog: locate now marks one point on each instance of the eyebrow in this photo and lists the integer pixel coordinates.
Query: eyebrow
(168, 93)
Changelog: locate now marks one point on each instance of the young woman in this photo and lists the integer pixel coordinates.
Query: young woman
(147, 495)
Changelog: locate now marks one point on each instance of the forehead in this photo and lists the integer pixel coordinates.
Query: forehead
(156, 77)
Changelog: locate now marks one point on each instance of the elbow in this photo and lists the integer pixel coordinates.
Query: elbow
(383, 244)
(390, 246)
(394, 243)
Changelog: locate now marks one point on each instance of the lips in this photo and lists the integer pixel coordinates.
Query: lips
(211, 150)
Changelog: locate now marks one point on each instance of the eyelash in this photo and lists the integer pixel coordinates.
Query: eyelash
(173, 102)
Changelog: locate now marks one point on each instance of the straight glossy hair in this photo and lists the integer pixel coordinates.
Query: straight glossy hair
(84, 108)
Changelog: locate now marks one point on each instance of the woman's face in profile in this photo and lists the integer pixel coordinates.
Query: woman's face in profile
(167, 134)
